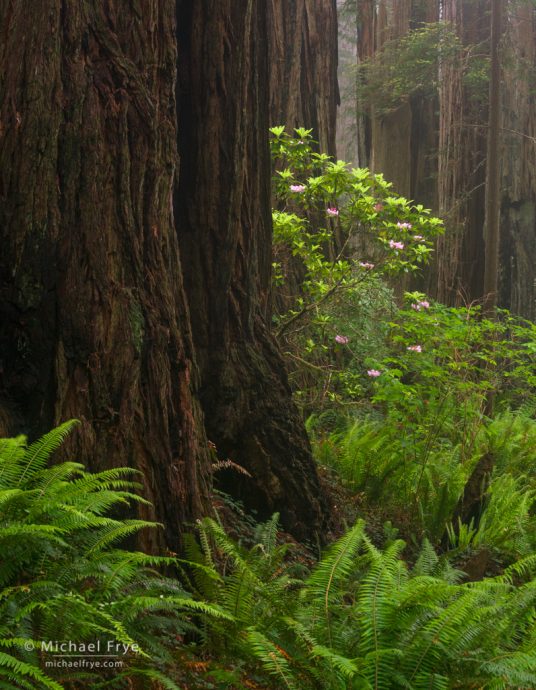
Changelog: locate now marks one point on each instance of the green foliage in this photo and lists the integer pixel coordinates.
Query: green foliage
(413, 382)
(363, 619)
(318, 197)
(422, 427)
(412, 65)
(406, 66)
(360, 618)
(508, 521)
(64, 577)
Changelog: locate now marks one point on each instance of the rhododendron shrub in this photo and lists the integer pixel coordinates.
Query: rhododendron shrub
(339, 233)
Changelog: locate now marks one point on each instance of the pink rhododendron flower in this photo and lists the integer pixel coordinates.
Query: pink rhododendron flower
(297, 188)
(378, 207)
(396, 245)
(332, 211)
(342, 339)
(405, 226)
(415, 348)
(422, 304)
(366, 264)
(374, 373)
(418, 237)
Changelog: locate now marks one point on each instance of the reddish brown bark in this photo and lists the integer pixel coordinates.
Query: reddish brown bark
(517, 287)
(99, 320)
(462, 165)
(223, 214)
(493, 173)
(458, 274)
(94, 322)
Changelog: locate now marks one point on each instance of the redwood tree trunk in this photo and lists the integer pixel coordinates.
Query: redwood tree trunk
(94, 322)
(223, 215)
(302, 43)
(472, 500)
(517, 282)
(493, 177)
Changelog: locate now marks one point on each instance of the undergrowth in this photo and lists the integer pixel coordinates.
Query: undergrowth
(361, 618)
(238, 616)
(64, 578)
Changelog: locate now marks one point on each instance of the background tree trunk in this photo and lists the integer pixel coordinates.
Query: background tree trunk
(459, 266)
(472, 501)
(223, 214)
(493, 172)
(517, 283)
(94, 322)
(304, 92)
(458, 269)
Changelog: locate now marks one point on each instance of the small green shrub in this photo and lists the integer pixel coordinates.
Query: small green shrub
(337, 233)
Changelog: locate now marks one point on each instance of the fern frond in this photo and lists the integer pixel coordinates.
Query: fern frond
(272, 657)
(326, 579)
(38, 454)
(17, 671)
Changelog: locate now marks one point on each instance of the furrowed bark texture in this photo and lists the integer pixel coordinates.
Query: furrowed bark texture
(223, 212)
(302, 42)
(94, 322)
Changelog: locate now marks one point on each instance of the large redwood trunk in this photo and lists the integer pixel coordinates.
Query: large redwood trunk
(223, 214)
(94, 322)
(98, 319)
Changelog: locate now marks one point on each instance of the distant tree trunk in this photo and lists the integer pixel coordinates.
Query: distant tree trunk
(517, 285)
(302, 41)
(357, 21)
(391, 132)
(223, 216)
(471, 503)
(94, 322)
(447, 171)
(402, 142)
(493, 177)
(460, 259)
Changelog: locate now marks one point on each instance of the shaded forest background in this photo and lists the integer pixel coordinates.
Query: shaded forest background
(415, 83)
